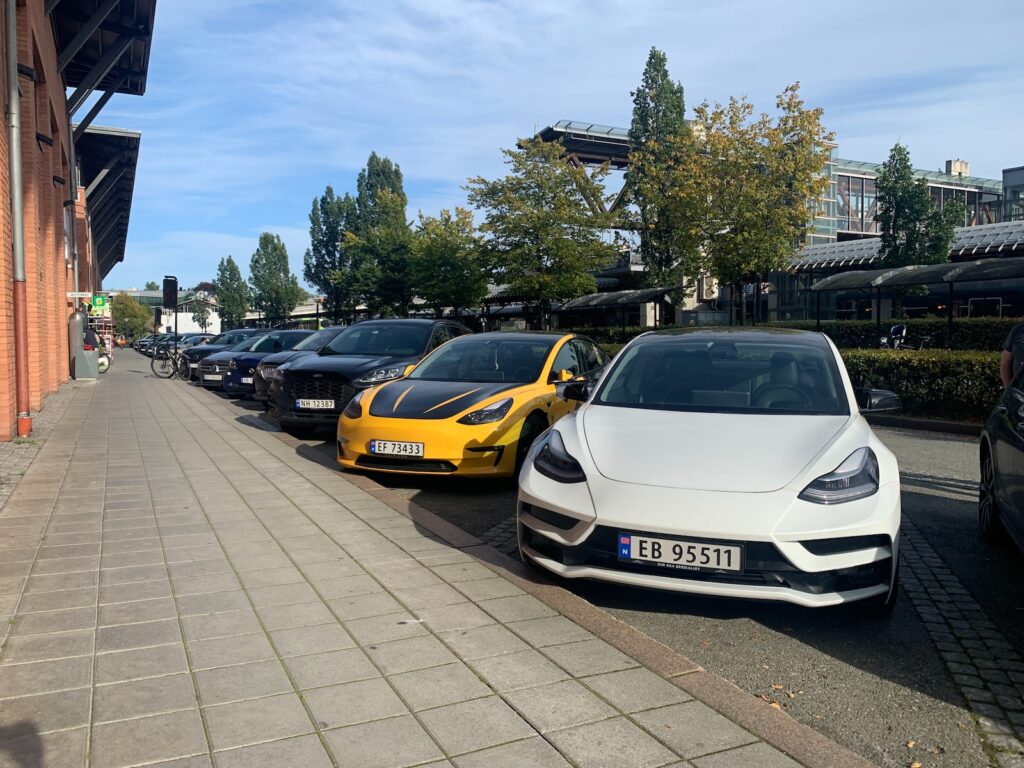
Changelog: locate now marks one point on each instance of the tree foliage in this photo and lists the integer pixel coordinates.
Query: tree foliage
(743, 188)
(152, 285)
(201, 314)
(275, 290)
(446, 264)
(658, 117)
(232, 294)
(206, 286)
(913, 231)
(381, 240)
(328, 264)
(544, 237)
(131, 318)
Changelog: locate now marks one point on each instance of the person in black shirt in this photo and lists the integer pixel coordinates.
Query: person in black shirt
(91, 339)
(1013, 355)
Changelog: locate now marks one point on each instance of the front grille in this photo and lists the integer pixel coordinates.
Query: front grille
(764, 565)
(412, 465)
(327, 388)
(208, 367)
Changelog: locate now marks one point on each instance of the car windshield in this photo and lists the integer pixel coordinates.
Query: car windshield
(477, 358)
(398, 339)
(723, 376)
(318, 339)
(246, 343)
(276, 342)
(232, 338)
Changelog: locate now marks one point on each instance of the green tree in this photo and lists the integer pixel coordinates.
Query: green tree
(152, 285)
(382, 238)
(913, 231)
(232, 294)
(131, 318)
(658, 116)
(446, 263)
(327, 265)
(545, 239)
(201, 314)
(743, 189)
(275, 290)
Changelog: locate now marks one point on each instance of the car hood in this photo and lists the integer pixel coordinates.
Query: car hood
(277, 358)
(204, 350)
(222, 356)
(421, 399)
(350, 366)
(739, 453)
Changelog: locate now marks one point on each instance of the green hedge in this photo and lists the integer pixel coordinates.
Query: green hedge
(938, 384)
(981, 333)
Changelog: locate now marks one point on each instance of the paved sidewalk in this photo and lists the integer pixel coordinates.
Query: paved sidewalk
(186, 588)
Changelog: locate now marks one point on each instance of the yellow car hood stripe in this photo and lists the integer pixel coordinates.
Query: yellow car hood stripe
(446, 402)
(401, 397)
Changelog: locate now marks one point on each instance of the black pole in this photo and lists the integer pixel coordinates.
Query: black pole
(817, 313)
(878, 311)
(949, 319)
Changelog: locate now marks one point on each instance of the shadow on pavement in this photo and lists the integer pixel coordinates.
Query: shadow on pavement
(22, 743)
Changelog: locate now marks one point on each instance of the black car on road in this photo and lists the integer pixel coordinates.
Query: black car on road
(311, 392)
(266, 371)
(218, 343)
(1001, 491)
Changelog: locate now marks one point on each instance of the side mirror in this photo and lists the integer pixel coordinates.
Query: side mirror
(408, 369)
(561, 376)
(573, 390)
(878, 401)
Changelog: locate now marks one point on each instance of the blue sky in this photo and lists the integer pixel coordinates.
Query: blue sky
(252, 106)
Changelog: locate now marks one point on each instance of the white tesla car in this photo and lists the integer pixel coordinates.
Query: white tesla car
(720, 462)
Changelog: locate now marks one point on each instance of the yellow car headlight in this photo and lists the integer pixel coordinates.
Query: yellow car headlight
(489, 413)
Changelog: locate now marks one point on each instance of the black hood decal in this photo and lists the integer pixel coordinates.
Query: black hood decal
(420, 399)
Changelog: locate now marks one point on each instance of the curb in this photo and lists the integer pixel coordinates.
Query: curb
(773, 726)
(926, 425)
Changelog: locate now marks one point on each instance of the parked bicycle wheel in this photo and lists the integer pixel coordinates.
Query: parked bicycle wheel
(162, 363)
(103, 363)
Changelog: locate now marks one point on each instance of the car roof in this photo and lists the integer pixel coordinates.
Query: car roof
(739, 334)
(519, 335)
(402, 320)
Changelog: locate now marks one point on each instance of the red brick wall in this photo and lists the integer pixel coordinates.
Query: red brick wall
(43, 112)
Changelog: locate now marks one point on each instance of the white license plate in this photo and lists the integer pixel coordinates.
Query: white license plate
(193, 365)
(393, 448)
(674, 553)
(322, 405)
(247, 379)
(213, 377)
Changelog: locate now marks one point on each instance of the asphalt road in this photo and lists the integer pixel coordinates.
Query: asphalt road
(872, 686)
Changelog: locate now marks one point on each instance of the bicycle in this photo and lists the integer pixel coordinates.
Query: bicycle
(168, 363)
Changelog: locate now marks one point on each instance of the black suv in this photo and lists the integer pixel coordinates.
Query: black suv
(311, 392)
(218, 343)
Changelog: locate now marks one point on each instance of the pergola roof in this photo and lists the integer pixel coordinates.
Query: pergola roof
(591, 142)
(128, 27)
(614, 299)
(108, 158)
(1003, 239)
(924, 274)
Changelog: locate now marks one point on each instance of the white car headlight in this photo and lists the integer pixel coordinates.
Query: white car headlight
(553, 460)
(381, 374)
(488, 414)
(855, 478)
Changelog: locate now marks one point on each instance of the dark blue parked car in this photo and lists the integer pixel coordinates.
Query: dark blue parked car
(266, 371)
(238, 380)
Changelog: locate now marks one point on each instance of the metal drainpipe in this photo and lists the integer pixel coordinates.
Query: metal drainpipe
(17, 222)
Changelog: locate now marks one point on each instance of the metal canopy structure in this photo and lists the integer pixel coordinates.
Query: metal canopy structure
(108, 157)
(591, 143)
(615, 299)
(1002, 239)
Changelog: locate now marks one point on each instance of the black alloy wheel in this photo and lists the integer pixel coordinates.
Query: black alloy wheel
(989, 522)
(535, 424)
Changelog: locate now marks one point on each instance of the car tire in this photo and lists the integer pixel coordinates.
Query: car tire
(532, 428)
(990, 522)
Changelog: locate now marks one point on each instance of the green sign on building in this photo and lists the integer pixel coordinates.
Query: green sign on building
(99, 302)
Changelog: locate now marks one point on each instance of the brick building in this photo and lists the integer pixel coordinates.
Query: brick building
(76, 178)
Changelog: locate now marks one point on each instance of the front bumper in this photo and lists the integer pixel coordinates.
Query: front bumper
(234, 385)
(796, 552)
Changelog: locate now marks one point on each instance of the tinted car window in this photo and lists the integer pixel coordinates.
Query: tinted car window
(469, 358)
(442, 334)
(588, 353)
(726, 377)
(393, 340)
(567, 360)
(318, 339)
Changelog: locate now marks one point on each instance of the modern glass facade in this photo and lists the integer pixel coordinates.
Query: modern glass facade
(1013, 190)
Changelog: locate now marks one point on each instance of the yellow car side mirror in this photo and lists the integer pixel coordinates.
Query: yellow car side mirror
(563, 375)
(408, 369)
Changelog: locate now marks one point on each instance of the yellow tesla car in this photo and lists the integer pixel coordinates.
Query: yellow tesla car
(472, 407)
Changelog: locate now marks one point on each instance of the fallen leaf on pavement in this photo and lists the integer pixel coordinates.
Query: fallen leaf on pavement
(910, 744)
(775, 704)
(777, 686)
(916, 764)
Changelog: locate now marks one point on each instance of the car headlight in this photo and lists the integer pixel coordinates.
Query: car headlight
(354, 409)
(855, 478)
(554, 461)
(488, 414)
(381, 374)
